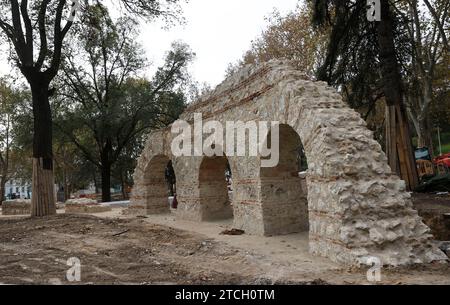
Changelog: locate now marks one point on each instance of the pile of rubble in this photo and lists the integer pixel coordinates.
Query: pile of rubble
(85, 206)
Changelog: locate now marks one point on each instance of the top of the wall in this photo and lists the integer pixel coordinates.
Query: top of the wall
(245, 79)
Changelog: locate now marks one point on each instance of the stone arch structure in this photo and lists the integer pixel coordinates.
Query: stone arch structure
(151, 190)
(355, 208)
(156, 186)
(213, 190)
(283, 201)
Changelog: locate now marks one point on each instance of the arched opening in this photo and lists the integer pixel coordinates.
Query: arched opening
(160, 183)
(171, 181)
(283, 187)
(215, 189)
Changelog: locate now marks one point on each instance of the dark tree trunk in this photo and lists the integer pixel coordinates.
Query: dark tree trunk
(122, 182)
(43, 196)
(106, 183)
(425, 137)
(67, 190)
(106, 176)
(2, 188)
(95, 180)
(398, 140)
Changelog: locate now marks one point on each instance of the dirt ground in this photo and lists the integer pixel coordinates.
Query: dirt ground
(440, 202)
(115, 249)
(435, 211)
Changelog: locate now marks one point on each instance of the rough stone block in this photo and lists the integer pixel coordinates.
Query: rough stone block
(16, 207)
(85, 206)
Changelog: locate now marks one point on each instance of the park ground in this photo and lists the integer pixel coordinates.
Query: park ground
(117, 249)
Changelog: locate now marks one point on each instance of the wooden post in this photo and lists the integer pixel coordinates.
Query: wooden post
(398, 140)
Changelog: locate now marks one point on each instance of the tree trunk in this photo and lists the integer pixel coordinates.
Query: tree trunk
(427, 126)
(106, 181)
(106, 184)
(94, 176)
(424, 135)
(66, 186)
(43, 196)
(122, 182)
(2, 188)
(398, 141)
(422, 125)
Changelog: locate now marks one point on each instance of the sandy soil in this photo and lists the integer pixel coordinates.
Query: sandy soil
(439, 203)
(115, 249)
(435, 212)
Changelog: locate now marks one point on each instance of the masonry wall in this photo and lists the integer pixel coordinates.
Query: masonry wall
(355, 206)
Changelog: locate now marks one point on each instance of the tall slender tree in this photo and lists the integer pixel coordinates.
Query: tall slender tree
(428, 27)
(357, 48)
(36, 32)
(398, 139)
(105, 105)
(7, 96)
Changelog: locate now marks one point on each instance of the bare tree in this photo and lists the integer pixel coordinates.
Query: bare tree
(429, 48)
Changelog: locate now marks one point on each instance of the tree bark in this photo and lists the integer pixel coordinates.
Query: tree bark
(95, 180)
(122, 182)
(420, 119)
(2, 188)
(424, 135)
(106, 184)
(398, 140)
(4, 161)
(106, 179)
(4, 178)
(66, 185)
(43, 196)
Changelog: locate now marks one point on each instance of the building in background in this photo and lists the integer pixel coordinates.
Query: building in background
(18, 189)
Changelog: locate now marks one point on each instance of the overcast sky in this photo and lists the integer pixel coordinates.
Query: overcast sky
(218, 31)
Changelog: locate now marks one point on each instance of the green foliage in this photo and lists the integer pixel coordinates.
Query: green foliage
(353, 55)
(445, 142)
(353, 62)
(291, 37)
(37, 33)
(15, 122)
(103, 106)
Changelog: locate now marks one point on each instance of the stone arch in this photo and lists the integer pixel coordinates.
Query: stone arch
(215, 203)
(357, 207)
(150, 187)
(156, 193)
(283, 198)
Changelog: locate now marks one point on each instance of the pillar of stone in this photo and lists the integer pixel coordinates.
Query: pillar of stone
(188, 197)
(284, 205)
(247, 209)
(188, 191)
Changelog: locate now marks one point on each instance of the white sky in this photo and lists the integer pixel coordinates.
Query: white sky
(218, 31)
